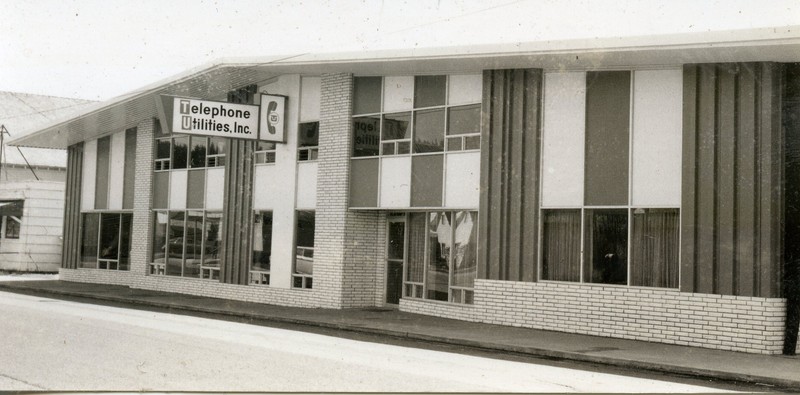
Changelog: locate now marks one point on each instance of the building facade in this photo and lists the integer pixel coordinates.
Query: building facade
(643, 193)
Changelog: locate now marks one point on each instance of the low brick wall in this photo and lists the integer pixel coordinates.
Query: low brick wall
(213, 289)
(738, 323)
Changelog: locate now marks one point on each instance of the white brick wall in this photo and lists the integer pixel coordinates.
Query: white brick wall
(735, 323)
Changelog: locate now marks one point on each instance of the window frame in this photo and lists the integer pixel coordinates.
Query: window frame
(412, 150)
(630, 208)
(303, 280)
(261, 277)
(205, 272)
(107, 263)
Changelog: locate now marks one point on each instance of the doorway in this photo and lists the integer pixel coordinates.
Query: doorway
(395, 258)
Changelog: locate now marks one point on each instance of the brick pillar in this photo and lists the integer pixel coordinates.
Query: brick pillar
(141, 240)
(347, 245)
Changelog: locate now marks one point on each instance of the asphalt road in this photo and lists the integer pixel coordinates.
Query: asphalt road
(49, 344)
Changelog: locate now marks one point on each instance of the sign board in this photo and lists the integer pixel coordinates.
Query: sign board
(272, 118)
(214, 118)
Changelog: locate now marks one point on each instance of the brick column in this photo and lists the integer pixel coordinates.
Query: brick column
(141, 240)
(348, 247)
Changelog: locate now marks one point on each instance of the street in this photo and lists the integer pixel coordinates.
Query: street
(50, 344)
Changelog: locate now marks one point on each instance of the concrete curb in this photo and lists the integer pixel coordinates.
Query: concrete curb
(488, 346)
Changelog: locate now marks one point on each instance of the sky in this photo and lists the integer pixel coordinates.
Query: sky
(96, 50)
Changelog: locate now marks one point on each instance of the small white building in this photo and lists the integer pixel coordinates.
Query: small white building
(31, 184)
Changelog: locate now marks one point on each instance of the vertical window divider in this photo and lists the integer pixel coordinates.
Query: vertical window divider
(583, 243)
(630, 177)
(426, 255)
(405, 253)
(450, 261)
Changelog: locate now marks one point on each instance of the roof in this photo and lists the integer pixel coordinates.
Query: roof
(21, 113)
(213, 80)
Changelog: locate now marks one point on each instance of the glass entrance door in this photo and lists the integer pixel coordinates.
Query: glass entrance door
(395, 259)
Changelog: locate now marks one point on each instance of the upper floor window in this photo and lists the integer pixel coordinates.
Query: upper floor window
(184, 152)
(265, 152)
(416, 115)
(308, 141)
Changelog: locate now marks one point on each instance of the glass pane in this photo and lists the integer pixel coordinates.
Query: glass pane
(216, 146)
(388, 149)
(175, 245)
(606, 246)
(308, 134)
(304, 257)
(397, 231)
(472, 142)
(367, 95)
(12, 227)
(193, 252)
(655, 247)
(180, 148)
(561, 245)
(262, 241)
(429, 90)
(429, 131)
(403, 147)
(109, 236)
(265, 146)
(198, 155)
(91, 229)
(163, 149)
(464, 120)
(439, 239)
(396, 126)
(465, 255)
(454, 144)
(366, 136)
(160, 237)
(212, 240)
(416, 248)
(125, 242)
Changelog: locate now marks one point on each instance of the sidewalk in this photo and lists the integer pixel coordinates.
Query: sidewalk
(777, 370)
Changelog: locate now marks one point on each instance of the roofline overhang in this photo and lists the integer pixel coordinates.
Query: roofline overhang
(780, 44)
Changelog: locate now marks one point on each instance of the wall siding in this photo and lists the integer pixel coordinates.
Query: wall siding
(72, 208)
(237, 213)
(508, 216)
(732, 197)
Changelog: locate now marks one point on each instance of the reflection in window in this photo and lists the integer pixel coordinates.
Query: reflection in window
(262, 248)
(442, 256)
(174, 262)
(198, 153)
(308, 141)
(428, 131)
(180, 151)
(163, 152)
(105, 241)
(655, 247)
(159, 258)
(265, 152)
(367, 95)
(212, 240)
(429, 90)
(304, 256)
(216, 152)
(193, 244)
(366, 136)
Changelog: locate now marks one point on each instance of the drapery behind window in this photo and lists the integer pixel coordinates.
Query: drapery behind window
(561, 245)
(654, 262)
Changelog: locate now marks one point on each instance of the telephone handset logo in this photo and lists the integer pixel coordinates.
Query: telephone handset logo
(273, 118)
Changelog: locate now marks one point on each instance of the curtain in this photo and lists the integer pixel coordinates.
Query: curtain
(655, 237)
(561, 245)
(416, 247)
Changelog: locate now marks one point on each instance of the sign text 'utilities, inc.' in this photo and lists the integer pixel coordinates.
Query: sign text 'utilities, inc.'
(213, 118)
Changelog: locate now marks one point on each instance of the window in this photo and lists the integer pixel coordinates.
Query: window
(304, 250)
(265, 152)
(106, 241)
(438, 113)
(262, 248)
(442, 256)
(186, 244)
(11, 212)
(194, 152)
(308, 141)
(611, 147)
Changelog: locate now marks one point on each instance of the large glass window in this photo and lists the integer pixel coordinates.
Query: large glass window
(105, 241)
(182, 152)
(304, 250)
(442, 256)
(596, 226)
(432, 123)
(262, 248)
(186, 243)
